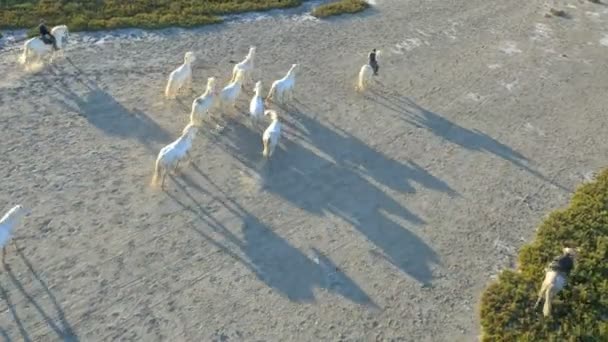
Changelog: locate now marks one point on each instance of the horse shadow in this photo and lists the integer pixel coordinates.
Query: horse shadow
(108, 115)
(340, 175)
(13, 310)
(3, 332)
(470, 139)
(272, 259)
(60, 325)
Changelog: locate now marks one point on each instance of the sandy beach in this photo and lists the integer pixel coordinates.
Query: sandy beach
(381, 217)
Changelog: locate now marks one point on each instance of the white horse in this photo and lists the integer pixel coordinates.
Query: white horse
(202, 104)
(180, 77)
(555, 280)
(284, 86)
(366, 74)
(365, 77)
(256, 106)
(231, 92)
(171, 155)
(270, 138)
(246, 66)
(36, 48)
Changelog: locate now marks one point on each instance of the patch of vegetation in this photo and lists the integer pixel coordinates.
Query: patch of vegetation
(89, 15)
(580, 311)
(339, 7)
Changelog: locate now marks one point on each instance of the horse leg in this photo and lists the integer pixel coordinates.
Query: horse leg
(42, 56)
(288, 95)
(279, 97)
(540, 297)
(541, 292)
(291, 94)
(265, 148)
(36, 57)
(162, 181)
(189, 83)
(250, 76)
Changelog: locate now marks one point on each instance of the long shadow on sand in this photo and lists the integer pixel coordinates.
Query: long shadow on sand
(342, 176)
(267, 255)
(104, 112)
(471, 139)
(18, 320)
(60, 326)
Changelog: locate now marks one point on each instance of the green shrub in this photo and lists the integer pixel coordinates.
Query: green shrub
(339, 7)
(82, 15)
(580, 311)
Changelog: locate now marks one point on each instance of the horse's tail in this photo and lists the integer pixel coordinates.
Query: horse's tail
(271, 91)
(195, 116)
(157, 171)
(169, 91)
(235, 71)
(364, 74)
(548, 296)
(265, 142)
(24, 56)
(360, 80)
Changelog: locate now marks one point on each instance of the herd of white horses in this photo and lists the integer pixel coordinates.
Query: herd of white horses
(180, 79)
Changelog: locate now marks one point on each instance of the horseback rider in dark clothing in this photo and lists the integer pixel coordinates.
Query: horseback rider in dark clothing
(563, 263)
(46, 36)
(373, 62)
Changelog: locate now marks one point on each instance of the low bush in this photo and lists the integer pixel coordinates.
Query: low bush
(339, 7)
(83, 15)
(580, 311)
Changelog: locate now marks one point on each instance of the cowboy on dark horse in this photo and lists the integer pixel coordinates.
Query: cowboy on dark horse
(46, 36)
(373, 62)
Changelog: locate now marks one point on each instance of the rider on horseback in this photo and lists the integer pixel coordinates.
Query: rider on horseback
(46, 36)
(373, 62)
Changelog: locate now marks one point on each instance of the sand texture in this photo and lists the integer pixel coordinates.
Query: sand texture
(381, 216)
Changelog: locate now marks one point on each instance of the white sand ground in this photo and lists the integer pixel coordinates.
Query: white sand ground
(381, 218)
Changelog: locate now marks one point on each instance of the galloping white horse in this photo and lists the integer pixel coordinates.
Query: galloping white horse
(35, 47)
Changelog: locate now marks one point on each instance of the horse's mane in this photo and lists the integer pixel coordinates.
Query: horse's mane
(11, 213)
(292, 70)
(61, 27)
(240, 75)
(189, 128)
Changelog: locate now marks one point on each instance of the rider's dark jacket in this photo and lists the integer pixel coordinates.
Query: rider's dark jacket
(43, 30)
(563, 264)
(372, 57)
